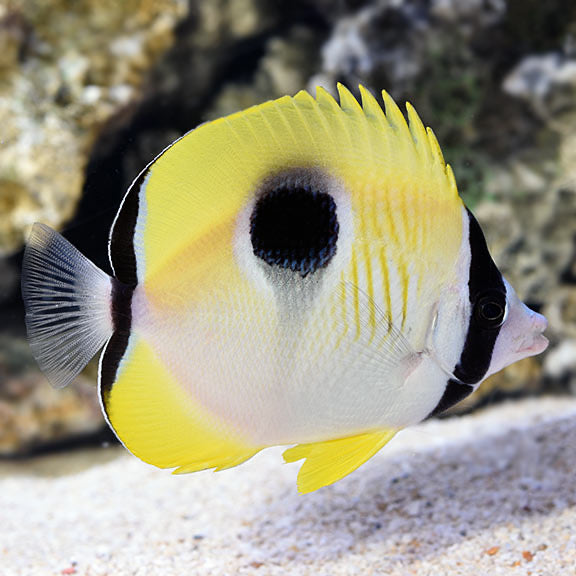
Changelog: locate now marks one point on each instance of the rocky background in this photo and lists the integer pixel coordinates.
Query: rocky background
(91, 90)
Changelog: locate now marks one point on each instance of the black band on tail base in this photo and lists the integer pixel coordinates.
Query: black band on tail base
(113, 354)
(116, 347)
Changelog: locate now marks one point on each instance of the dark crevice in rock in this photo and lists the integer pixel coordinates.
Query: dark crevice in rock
(180, 91)
(102, 437)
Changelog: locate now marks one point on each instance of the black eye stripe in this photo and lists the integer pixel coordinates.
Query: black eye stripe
(484, 281)
(454, 392)
(485, 278)
(484, 275)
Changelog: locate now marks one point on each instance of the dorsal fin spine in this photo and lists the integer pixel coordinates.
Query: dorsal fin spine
(452, 181)
(305, 99)
(325, 100)
(348, 102)
(394, 115)
(329, 106)
(371, 107)
(418, 132)
(435, 147)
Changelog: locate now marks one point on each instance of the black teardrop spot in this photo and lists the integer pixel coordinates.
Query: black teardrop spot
(295, 228)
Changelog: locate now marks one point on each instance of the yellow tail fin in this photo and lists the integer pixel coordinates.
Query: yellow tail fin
(329, 461)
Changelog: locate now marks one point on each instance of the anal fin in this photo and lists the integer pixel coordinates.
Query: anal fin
(331, 460)
(161, 423)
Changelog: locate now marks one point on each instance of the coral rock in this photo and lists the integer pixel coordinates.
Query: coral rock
(32, 413)
(67, 69)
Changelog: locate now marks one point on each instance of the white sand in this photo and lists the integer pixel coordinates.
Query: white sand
(493, 493)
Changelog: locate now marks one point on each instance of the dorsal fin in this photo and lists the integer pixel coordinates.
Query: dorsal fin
(201, 183)
(348, 103)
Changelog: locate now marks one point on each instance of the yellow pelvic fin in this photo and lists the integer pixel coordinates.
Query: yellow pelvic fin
(157, 419)
(329, 461)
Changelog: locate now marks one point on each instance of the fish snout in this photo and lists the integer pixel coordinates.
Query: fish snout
(539, 322)
(535, 342)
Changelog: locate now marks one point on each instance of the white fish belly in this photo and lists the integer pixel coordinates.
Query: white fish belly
(278, 381)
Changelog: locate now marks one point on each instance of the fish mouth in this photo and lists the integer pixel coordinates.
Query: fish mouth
(538, 345)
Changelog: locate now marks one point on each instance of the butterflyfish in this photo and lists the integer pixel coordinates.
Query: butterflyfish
(300, 273)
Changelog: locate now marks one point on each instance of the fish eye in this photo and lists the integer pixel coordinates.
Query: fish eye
(490, 310)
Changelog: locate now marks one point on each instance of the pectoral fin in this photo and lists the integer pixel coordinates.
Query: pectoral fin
(329, 461)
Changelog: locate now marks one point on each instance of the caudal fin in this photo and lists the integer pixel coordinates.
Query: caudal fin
(67, 301)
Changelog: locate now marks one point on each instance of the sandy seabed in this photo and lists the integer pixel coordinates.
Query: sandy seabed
(487, 494)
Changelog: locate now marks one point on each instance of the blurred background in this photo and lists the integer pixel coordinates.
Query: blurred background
(92, 90)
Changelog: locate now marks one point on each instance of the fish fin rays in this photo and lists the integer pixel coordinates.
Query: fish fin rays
(158, 420)
(348, 102)
(212, 173)
(329, 461)
(218, 464)
(380, 344)
(419, 135)
(68, 305)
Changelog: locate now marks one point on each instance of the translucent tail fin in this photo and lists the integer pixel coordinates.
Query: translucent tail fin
(68, 305)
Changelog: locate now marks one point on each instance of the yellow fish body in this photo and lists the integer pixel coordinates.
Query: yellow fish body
(303, 272)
